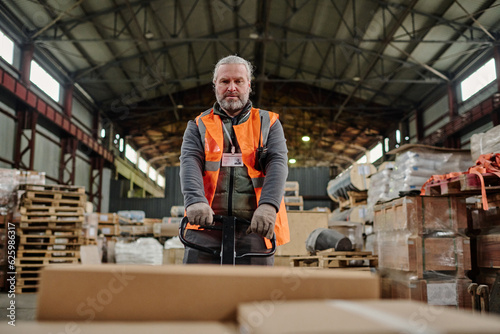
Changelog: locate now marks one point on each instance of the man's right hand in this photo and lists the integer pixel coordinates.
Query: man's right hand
(200, 214)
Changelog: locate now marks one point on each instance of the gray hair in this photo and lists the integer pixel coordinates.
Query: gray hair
(233, 60)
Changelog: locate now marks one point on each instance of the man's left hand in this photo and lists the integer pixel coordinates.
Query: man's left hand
(263, 221)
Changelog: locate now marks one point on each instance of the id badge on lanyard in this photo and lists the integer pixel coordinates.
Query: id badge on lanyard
(231, 159)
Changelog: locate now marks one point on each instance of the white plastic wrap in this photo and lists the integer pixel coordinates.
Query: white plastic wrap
(141, 251)
(485, 143)
(9, 181)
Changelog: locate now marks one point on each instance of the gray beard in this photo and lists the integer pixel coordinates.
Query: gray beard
(232, 106)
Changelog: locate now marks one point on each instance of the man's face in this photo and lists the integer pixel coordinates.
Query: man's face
(232, 88)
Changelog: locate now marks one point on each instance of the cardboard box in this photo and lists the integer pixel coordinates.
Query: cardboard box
(192, 292)
(363, 317)
(120, 327)
(424, 254)
(440, 290)
(301, 225)
(420, 215)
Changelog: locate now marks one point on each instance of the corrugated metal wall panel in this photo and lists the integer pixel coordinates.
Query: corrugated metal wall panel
(153, 207)
(173, 194)
(312, 183)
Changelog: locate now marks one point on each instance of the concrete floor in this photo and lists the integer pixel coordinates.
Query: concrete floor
(25, 306)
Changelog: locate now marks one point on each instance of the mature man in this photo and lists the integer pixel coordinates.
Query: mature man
(234, 163)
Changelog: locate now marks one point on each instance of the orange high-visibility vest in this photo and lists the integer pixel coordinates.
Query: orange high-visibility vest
(247, 134)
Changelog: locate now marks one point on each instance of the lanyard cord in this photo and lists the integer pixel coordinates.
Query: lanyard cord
(233, 149)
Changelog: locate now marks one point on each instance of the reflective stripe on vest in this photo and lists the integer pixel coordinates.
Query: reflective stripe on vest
(247, 133)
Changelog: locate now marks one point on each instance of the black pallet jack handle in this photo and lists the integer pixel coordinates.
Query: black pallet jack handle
(227, 253)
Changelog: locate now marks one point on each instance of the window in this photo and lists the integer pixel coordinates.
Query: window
(362, 160)
(6, 48)
(143, 165)
(152, 173)
(130, 154)
(161, 181)
(376, 153)
(44, 81)
(478, 80)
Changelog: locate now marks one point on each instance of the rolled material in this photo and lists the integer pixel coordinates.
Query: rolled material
(323, 238)
(353, 179)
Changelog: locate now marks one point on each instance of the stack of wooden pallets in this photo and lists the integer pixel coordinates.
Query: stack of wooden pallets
(50, 230)
(293, 201)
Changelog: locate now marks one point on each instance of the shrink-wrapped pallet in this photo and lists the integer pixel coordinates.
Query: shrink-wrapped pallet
(356, 178)
(485, 143)
(415, 164)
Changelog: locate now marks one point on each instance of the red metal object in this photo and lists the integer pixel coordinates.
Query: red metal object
(37, 105)
(26, 133)
(67, 166)
(95, 191)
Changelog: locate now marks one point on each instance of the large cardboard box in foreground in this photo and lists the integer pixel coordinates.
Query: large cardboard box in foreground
(360, 317)
(120, 327)
(191, 292)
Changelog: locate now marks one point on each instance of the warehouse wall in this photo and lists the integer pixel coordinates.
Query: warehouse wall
(433, 113)
(82, 116)
(7, 133)
(312, 182)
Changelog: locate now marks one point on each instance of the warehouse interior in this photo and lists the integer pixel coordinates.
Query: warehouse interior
(391, 114)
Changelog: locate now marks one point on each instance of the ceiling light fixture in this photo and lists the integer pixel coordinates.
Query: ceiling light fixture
(149, 35)
(306, 138)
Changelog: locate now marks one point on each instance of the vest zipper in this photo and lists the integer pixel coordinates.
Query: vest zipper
(231, 178)
(230, 195)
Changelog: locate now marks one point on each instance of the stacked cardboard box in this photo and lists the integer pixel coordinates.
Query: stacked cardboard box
(50, 230)
(423, 250)
(484, 229)
(108, 224)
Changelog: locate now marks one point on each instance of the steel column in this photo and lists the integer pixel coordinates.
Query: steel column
(26, 132)
(27, 51)
(452, 101)
(67, 162)
(95, 186)
(68, 100)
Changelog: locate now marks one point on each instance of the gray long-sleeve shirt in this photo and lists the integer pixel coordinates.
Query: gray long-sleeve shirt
(193, 161)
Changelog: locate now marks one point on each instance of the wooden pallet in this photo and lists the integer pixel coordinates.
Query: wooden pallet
(292, 188)
(47, 202)
(25, 253)
(48, 247)
(56, 225)
(53, 187)
(43, 232)
(355, 198)
(43, 261)
(332, 259)
(37, 210)
(48, 240)
(465, 184)
(26, 289)
(55, 195)
(28, 282)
